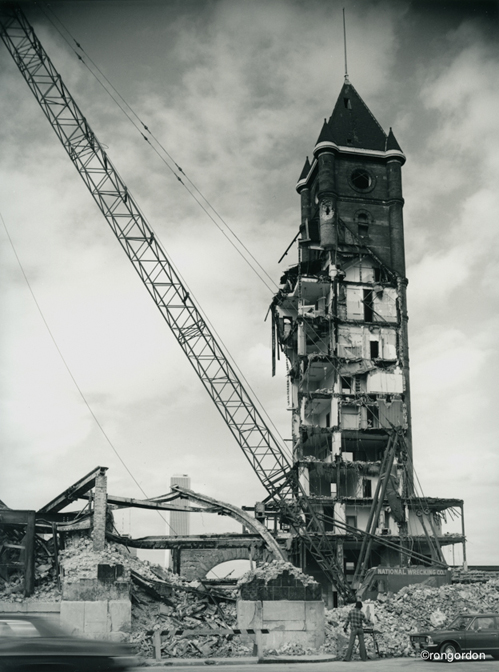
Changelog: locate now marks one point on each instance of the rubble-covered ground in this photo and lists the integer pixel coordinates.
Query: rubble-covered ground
(160, 599)
(413, 608)
(272, 570)
(163, 600)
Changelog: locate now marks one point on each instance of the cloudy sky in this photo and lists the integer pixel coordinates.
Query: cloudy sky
(236, 91)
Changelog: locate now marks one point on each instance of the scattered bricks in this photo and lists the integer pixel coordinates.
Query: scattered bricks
(412, 609)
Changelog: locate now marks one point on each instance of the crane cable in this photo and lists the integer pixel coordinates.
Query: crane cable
(282, 446)
(162, 158)
(68, 369)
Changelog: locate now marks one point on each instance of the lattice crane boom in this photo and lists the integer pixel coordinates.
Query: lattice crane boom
(146, 253)
(263, 451)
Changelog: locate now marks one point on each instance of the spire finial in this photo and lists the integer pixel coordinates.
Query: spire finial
(345, 46)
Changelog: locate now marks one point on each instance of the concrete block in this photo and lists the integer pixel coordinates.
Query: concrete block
(13, 607)
(314, 615)
(95, 590)
(73, 617)
(249, 614)
(120, 613)
(285, 610)
(43, 607)
(316, 622)
(299, 622)
(295, 626)
(96, 618)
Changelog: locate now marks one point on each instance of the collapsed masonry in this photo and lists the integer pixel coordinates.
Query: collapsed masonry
(340, 318)
(22, 532)
(74, 564)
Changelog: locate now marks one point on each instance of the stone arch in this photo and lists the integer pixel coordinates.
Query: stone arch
(195, 563)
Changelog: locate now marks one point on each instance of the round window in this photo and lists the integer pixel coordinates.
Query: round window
(361, 179)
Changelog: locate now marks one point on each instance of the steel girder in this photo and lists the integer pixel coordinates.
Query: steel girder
(136, 237)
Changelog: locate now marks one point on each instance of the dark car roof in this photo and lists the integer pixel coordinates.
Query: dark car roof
(49, 629)
(444, 628)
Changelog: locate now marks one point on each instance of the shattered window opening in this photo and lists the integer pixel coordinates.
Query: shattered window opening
(363, 230)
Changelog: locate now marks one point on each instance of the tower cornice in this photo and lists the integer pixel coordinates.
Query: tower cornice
(388, 155)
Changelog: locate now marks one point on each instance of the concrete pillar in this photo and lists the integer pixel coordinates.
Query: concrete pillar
(100, 505)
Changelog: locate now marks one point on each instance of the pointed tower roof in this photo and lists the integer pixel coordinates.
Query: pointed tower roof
(305, 171)
(352, 123)
(391, 142)
(352, 129)
(325, 135)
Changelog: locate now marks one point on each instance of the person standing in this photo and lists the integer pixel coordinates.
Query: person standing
(356, 620)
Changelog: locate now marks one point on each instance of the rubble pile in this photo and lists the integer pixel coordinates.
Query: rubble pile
(413, 608)
(189, 607)
(46, 583)
(162, 601)
(278, 580)
(272, 570)
(290, 649)
(79, 560)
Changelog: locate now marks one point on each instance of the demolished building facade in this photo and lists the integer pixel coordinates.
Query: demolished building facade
(340, 318)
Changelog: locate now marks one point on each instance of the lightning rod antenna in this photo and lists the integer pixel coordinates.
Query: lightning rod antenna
(345, 44)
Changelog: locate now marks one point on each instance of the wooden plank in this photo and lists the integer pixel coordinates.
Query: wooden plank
(157, 644)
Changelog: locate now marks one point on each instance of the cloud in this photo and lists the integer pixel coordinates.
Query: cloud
(236, 92)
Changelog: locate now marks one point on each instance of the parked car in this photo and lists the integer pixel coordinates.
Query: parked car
(467, 632)
(34, 643)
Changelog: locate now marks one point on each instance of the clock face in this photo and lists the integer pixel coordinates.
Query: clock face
(361, 179)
